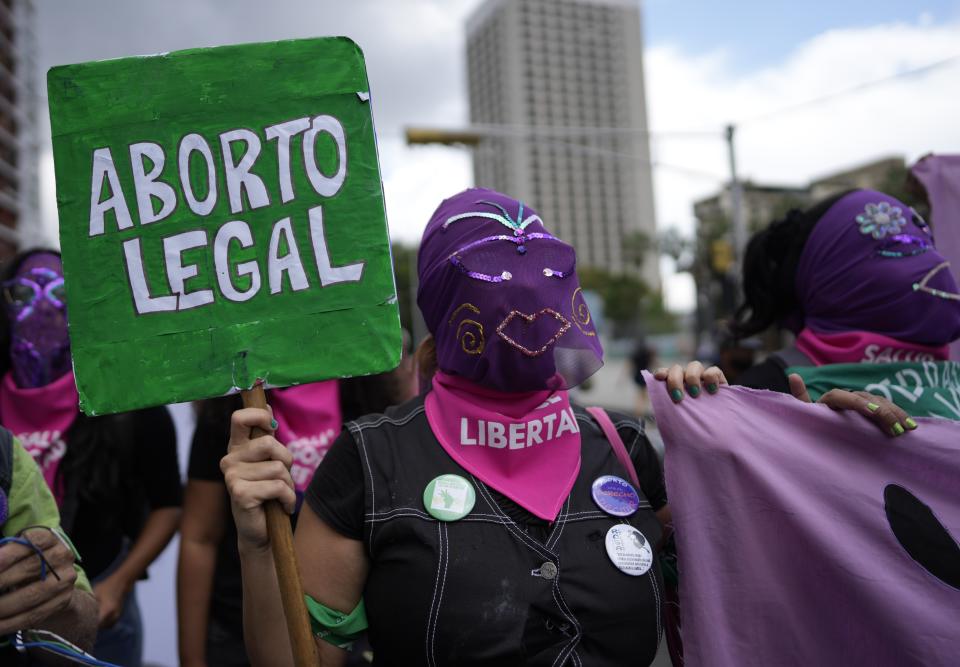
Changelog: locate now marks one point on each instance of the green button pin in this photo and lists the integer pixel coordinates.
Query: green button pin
(449, 497)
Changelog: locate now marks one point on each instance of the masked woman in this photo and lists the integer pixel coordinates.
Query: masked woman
(491, 521)
(873, 305)
(114, 477)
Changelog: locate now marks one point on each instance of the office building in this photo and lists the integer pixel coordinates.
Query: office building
(19, 195)
(559, 85)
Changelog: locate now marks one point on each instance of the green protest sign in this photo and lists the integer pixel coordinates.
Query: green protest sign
(221, 221)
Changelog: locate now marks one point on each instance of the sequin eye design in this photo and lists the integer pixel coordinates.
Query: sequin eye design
(903, 245)
(920, 222)
(466, 255)
(881, 219)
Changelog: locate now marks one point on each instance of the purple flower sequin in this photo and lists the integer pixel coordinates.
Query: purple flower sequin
(881, 219)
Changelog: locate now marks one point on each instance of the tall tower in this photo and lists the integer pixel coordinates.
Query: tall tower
(563, 81)
(19, 144)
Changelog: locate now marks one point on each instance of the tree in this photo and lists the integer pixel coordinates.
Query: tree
(636, 248)
(628, 304)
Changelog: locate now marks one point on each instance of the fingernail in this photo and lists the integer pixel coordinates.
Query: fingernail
(274, 424)
(676, 395)
(897, 429)
(694, 390)
(872, 407)
(910, 423)
(712, 388)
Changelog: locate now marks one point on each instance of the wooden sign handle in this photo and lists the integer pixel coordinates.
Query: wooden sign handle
(288, 574)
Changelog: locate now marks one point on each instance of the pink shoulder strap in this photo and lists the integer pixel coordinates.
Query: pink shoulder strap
(616, 442)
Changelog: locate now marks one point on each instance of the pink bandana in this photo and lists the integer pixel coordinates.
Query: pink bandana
(40, 417)
(308, 421)
(852, 347)
(526, 445)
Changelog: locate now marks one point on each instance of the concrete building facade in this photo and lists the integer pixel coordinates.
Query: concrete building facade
(560, 86)
(19, 143)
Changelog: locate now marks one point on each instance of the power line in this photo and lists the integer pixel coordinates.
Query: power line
(853, 89)
(598, 151)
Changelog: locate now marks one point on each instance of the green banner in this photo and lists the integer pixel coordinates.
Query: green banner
(922, 389)
(221, 221)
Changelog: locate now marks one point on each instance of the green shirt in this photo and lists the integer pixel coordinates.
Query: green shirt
(31, 503)
(924, 389)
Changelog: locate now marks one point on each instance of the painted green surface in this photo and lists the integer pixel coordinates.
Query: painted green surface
(126, 360)
(922, 389)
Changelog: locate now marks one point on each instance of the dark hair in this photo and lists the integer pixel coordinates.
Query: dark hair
(100, 449)
(770, 268)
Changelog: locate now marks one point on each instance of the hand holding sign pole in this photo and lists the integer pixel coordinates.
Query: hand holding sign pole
(222, 222)
(288, 574)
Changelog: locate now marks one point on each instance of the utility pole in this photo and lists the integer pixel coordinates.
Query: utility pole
(736, 200)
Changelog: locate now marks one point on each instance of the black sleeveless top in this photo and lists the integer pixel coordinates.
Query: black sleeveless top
(474, 591)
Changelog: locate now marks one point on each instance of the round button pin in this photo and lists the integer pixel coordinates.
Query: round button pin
(615, 495)
(449, 497)
(629, 550)
(548, 570)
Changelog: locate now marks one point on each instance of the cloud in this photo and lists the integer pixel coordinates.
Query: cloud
(415, 61)
(908, 116)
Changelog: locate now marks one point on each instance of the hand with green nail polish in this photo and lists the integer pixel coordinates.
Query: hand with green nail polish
(884, 413)
(692, 379)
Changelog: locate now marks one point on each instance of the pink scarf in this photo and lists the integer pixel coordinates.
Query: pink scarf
(526, 445)
(853, 347)
(40, 418)
(308, 421)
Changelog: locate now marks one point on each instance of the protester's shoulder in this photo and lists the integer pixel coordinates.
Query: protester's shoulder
(30, 502)
(394, 417)
(154, 416)
(154, 423)
(629, 427)
(768, 374)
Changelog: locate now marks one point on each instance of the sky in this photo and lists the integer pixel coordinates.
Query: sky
(706, 64)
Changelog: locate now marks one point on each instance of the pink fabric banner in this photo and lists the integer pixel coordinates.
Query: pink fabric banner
(807, 537)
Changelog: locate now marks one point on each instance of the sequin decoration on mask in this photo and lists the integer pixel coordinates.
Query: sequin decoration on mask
(922, 285)
(920, 222)
(581, 312)
(530, 319)
(457, 258)
(881, 219)
(471, 341)
(903, 245)
(516, 225)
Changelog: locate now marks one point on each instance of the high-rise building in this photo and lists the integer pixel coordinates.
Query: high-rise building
(562, 83)
(19, 195)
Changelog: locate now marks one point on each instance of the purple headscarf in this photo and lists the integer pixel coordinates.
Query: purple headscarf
(870, 265)
(501, 296)
(37, 312)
